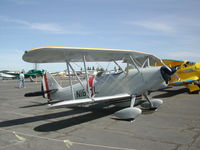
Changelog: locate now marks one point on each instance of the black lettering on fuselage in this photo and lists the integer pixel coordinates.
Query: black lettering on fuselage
(80, 93)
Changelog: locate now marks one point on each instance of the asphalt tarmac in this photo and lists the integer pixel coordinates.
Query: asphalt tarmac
(28, 123)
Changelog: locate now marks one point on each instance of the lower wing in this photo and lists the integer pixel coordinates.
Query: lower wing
(183, 82)
(88, 100)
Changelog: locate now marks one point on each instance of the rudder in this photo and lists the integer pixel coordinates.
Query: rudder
(49, 84)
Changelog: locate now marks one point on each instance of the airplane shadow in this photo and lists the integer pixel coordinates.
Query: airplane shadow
(93, 114)
(147, 112)
(170, 93)
(34, 105)
(65, 123)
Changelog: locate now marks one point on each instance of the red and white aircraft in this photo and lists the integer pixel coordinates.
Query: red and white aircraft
(125, 85)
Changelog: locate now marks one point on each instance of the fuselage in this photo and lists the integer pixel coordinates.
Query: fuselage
(133, 82)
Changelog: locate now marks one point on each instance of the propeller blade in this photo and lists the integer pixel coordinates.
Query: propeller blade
(166, 72)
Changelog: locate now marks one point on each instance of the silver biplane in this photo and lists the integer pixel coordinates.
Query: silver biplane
(143, 76)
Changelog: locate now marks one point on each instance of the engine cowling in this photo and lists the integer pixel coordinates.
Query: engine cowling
(128, 113)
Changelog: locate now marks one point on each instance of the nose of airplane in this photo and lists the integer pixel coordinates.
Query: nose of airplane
(166, 73)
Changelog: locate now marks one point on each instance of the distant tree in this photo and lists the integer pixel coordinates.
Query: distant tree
(93, 68)
(101, 69)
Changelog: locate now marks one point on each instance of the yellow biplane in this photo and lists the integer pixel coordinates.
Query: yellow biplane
(187, 74)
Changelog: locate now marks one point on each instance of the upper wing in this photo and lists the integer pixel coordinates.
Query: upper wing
(87, 100)
(75, 54)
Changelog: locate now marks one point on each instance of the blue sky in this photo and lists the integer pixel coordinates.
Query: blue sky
(166, 28)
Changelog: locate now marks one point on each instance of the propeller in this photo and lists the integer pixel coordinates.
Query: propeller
(166, 72)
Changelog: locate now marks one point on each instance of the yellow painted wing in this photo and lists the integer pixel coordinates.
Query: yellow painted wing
(171, 62)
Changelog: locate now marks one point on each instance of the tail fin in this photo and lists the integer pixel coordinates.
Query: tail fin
(49, 84)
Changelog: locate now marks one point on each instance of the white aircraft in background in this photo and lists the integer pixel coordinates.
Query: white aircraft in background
(116, 87)
(5, 76)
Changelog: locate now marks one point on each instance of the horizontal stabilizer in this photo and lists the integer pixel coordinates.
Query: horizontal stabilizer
(88, 100)
(39, 93)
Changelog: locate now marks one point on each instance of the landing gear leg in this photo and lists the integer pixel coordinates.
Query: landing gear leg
(151, 106)
(133, 97)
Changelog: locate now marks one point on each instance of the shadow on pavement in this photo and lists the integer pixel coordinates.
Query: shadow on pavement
(170, 92)
(65, 123)
(92, 114)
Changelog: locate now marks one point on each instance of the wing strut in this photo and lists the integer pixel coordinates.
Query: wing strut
(70, 81)
(134, 63)
(118, 65)
(87, 79)
(146, 62)
(78, 78)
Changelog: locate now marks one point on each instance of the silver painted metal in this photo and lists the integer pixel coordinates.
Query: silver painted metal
(113, 87)
(70, 81)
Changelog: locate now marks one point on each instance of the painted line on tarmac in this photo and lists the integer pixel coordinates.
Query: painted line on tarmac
(67, 143)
